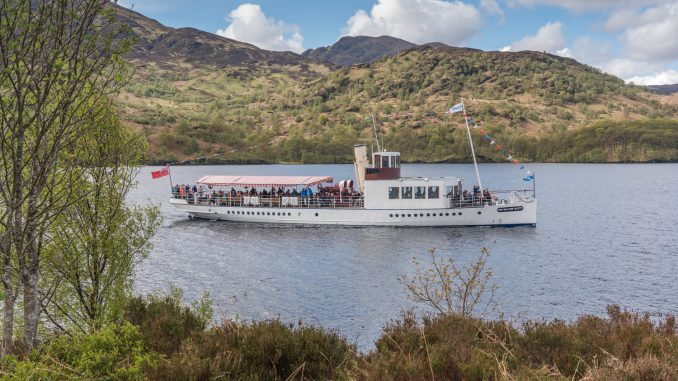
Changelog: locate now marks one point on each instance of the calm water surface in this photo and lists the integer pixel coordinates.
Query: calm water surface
(606, 234)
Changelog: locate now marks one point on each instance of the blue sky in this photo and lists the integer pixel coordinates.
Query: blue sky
(636, 40)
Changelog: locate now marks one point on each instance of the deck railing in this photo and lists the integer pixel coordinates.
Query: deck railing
(315, 201)
(499, 197)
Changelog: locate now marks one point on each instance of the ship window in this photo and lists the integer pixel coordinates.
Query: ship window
(377, 161)
(397, 161)
(384, 161)
(433, 192)
(428, 214)
(397, 215)
(409, 215)
(393, 193)
(447, 214)
(407, 192)
(434, 214)
(390, 215)
(419, 192)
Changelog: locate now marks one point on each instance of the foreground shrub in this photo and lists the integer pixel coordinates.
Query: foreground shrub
(267, 350)
(621, 346)
(165, 322)
(591, 341)
(443, 347)
(116, 352)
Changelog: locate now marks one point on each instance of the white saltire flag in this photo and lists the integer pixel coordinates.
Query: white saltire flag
(529, 176)
(457, 108)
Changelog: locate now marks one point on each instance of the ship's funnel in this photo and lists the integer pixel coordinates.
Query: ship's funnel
(360, 164)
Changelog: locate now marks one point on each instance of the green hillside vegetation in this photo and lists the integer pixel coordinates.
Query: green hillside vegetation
(261, 106)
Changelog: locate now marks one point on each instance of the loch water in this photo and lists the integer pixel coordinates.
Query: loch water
(606, 233)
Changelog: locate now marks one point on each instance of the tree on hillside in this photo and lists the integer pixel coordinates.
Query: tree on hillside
(60, 63)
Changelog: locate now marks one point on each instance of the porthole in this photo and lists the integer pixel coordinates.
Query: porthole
(290, 214)
(428, 214)
(409, 215)
(447, 214)
(421, 215)
(390, 215)
(415, 214)
(316, 214)
(257, 213)
(460, 213)
(248, 212)
(397, 215)
(479, 212)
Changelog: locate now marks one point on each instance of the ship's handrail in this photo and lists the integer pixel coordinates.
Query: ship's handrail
(314, 201)
(495, 198)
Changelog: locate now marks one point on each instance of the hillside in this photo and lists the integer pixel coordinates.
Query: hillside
(664, 89)
(356, 50)
(197, 94)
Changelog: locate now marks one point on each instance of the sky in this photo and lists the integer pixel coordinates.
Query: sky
(636, 40)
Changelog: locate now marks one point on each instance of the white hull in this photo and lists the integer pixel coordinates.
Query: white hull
(514, 214)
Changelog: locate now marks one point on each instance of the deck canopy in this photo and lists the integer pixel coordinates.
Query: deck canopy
(264, 181)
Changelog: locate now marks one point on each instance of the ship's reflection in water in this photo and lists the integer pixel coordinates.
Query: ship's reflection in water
(584, 253)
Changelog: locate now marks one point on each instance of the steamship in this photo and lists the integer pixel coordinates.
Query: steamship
(380, 196)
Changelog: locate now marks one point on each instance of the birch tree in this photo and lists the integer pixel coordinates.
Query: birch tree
(58, 60)
(99, 239)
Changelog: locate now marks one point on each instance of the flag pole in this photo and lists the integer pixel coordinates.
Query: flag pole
(473, 153)
(169, 173)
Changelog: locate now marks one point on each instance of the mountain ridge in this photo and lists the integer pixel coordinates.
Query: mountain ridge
(195, 94)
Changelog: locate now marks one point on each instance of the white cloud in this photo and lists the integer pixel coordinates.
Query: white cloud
(668, 77)
(652, 34)
(627, 68)
(549, 38)
(248, 23)
(491, 6)
(580, 5)
(417, 21)
(589, 51)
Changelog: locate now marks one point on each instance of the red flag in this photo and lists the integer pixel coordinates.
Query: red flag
(164, 171)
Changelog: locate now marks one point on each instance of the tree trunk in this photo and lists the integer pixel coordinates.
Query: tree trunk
(8, 303)
(31, 308)
(30, 272)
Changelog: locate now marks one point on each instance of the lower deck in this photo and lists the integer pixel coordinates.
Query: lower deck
(518, 213)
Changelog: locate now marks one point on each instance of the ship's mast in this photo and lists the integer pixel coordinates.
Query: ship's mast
(470, 141)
